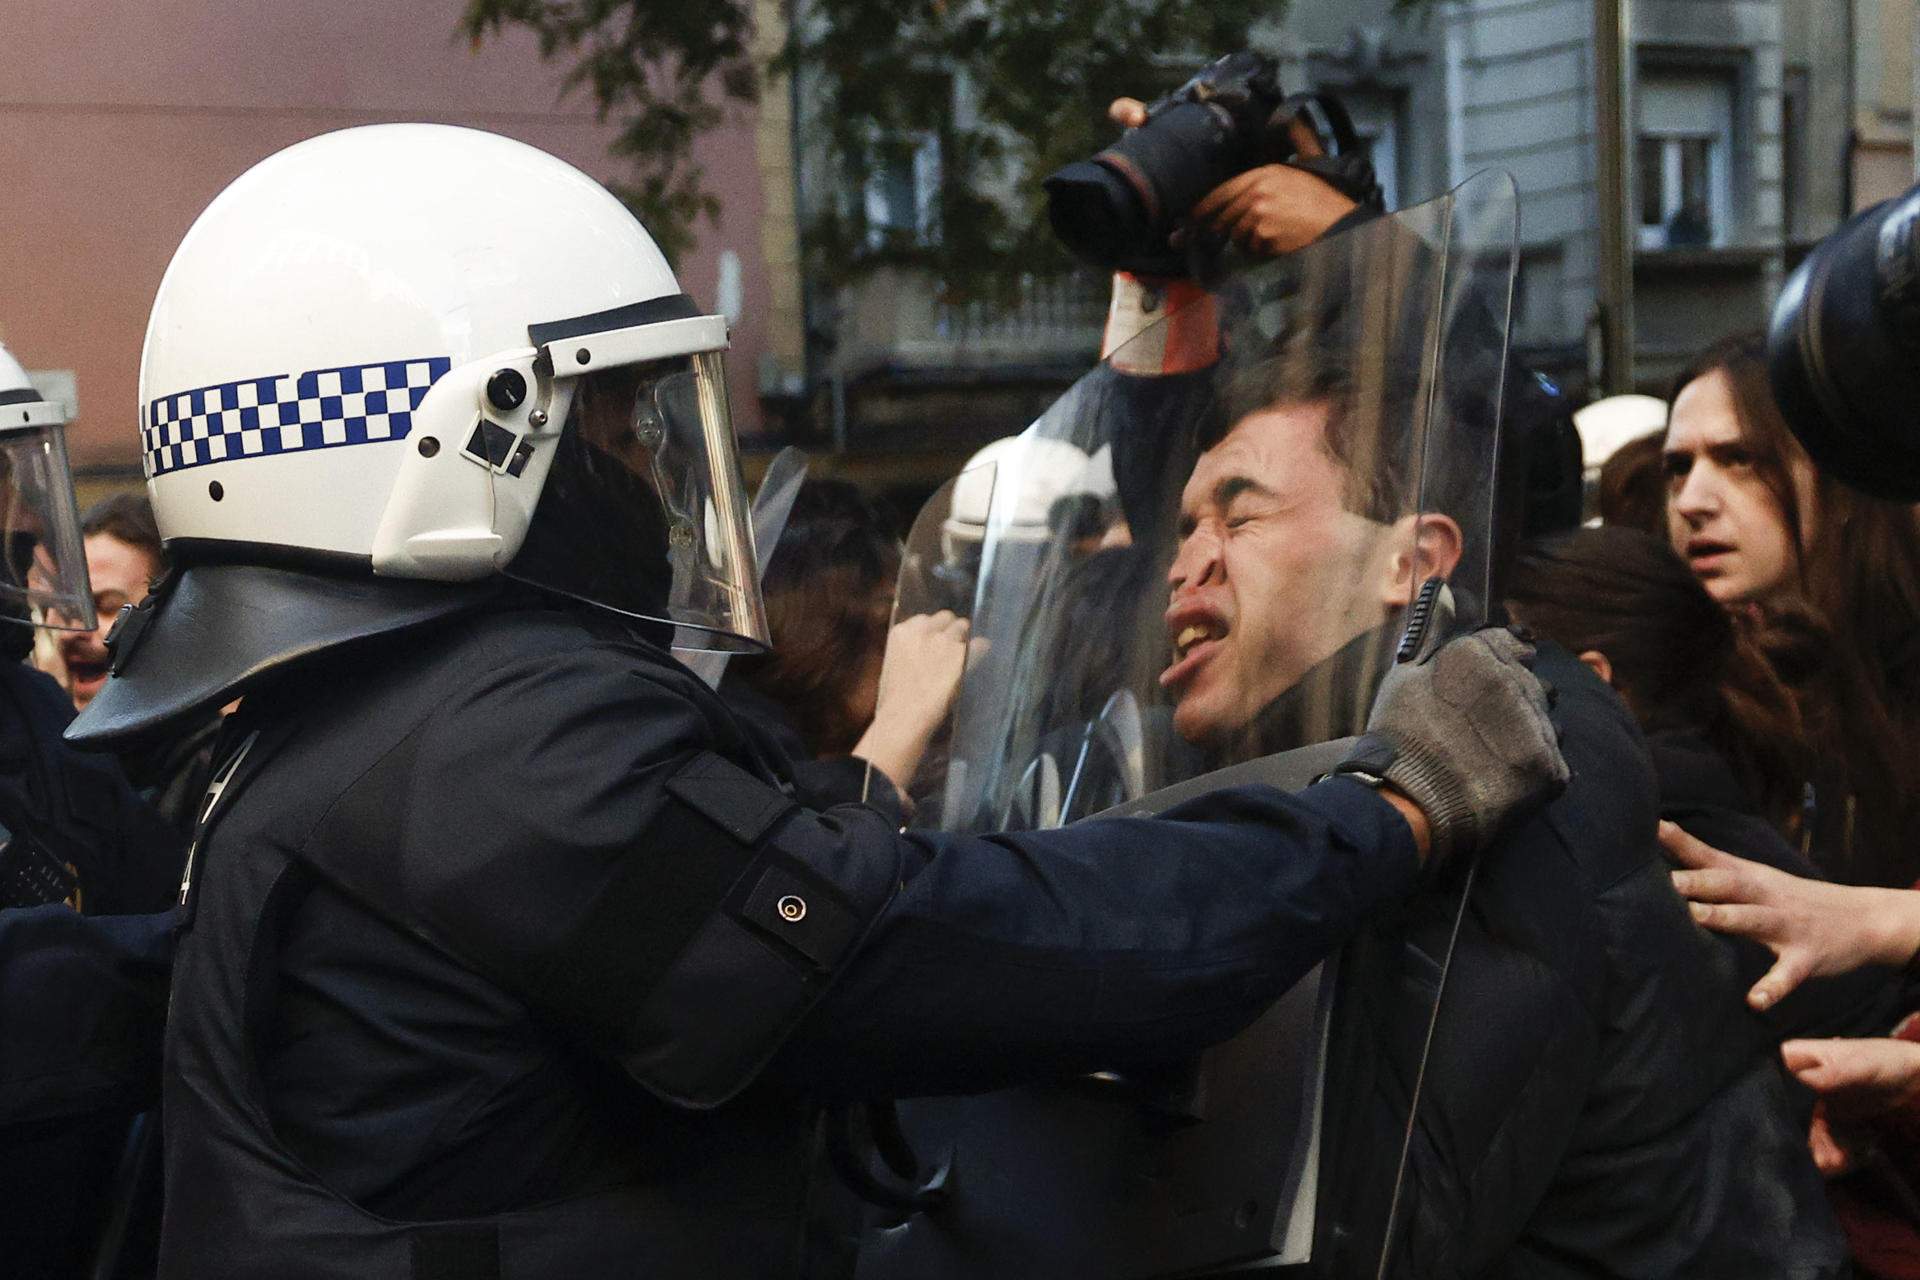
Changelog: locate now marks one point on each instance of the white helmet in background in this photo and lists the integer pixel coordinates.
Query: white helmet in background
(1014, 482)
(1607, 424)
(43, 565)
(404, 355)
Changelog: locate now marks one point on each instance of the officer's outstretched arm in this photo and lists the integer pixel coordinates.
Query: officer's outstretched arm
(1103, 944)
(1125, 940)
(684, 916)
(638, 884)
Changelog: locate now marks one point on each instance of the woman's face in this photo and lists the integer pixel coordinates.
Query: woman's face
(1722, 518)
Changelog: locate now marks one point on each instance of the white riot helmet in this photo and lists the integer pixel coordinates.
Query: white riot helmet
(43, 565)
(1605, 427)
(404, 355)
(1015, 482)
(1607, 424)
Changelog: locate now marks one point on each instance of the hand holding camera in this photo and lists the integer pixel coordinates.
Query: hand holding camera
(1229, 150)
(1270, 209)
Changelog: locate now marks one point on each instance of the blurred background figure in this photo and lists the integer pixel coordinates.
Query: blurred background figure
(819, 695)
(123, 557)
(1831, 581)
(1610, 428)
(82, 860)
(1057, 488)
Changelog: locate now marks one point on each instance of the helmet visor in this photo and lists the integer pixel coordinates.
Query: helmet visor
(644, 510)
(43, 572)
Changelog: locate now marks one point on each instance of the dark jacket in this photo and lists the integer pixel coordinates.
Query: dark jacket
(462, 880)
(82, 996)
(1599, 1100)
(1700, 791)
(819, 781)
(77, 805)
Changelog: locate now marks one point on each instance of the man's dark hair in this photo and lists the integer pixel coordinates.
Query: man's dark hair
(1683, 662)
(1633, 486)
(128, 517)
(1374, 398)
(1367, 425)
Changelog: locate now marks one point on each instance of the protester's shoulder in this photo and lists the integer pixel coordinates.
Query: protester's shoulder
(1693, 774)
(1606, 817)
(1549, 885)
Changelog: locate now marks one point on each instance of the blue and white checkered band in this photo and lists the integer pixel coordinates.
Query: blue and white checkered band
(259, 417)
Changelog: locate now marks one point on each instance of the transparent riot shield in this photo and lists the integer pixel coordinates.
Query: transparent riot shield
(940, 570)
(772, 504)
(1271, 521)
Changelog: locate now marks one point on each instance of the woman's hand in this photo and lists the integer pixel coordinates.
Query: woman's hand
(1815, 929)
(1858, 1081)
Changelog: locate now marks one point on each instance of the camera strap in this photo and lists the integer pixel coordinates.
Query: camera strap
(1346, 166)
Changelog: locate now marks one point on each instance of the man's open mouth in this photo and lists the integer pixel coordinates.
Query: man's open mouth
(1193, 634)
(1194, 637)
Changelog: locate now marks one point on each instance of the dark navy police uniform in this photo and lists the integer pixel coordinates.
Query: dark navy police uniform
(508, 955)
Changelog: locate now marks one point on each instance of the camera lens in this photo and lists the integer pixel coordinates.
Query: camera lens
(1096, 213)
(1118, 209)
(1840, 348)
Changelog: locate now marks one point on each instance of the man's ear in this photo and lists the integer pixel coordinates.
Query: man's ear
(1424, 547)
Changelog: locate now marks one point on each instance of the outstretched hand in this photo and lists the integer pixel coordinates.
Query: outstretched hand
(1814, 929)
(1858, 1081)
(1467, 735)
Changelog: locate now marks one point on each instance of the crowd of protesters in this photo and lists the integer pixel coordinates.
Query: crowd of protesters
(1763, 623)
(1758, 622)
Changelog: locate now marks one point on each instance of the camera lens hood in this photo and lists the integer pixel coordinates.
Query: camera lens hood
(1843, 352)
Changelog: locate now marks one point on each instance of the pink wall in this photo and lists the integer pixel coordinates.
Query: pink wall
(121, 119)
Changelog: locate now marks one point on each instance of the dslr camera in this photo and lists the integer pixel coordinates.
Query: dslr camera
(1843, 351)
(1119, 209)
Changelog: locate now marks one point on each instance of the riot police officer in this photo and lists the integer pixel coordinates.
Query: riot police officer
(506, 951)
(80, 856)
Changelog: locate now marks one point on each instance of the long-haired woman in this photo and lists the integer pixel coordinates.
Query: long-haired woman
(1831, 582)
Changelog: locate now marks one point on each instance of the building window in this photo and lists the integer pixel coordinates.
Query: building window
(1795, 215)
(1683, 155)
(902, 194)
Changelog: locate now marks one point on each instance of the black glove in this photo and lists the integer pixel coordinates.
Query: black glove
(1464, 733)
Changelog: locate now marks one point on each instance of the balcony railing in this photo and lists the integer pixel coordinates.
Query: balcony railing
(894, 320)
